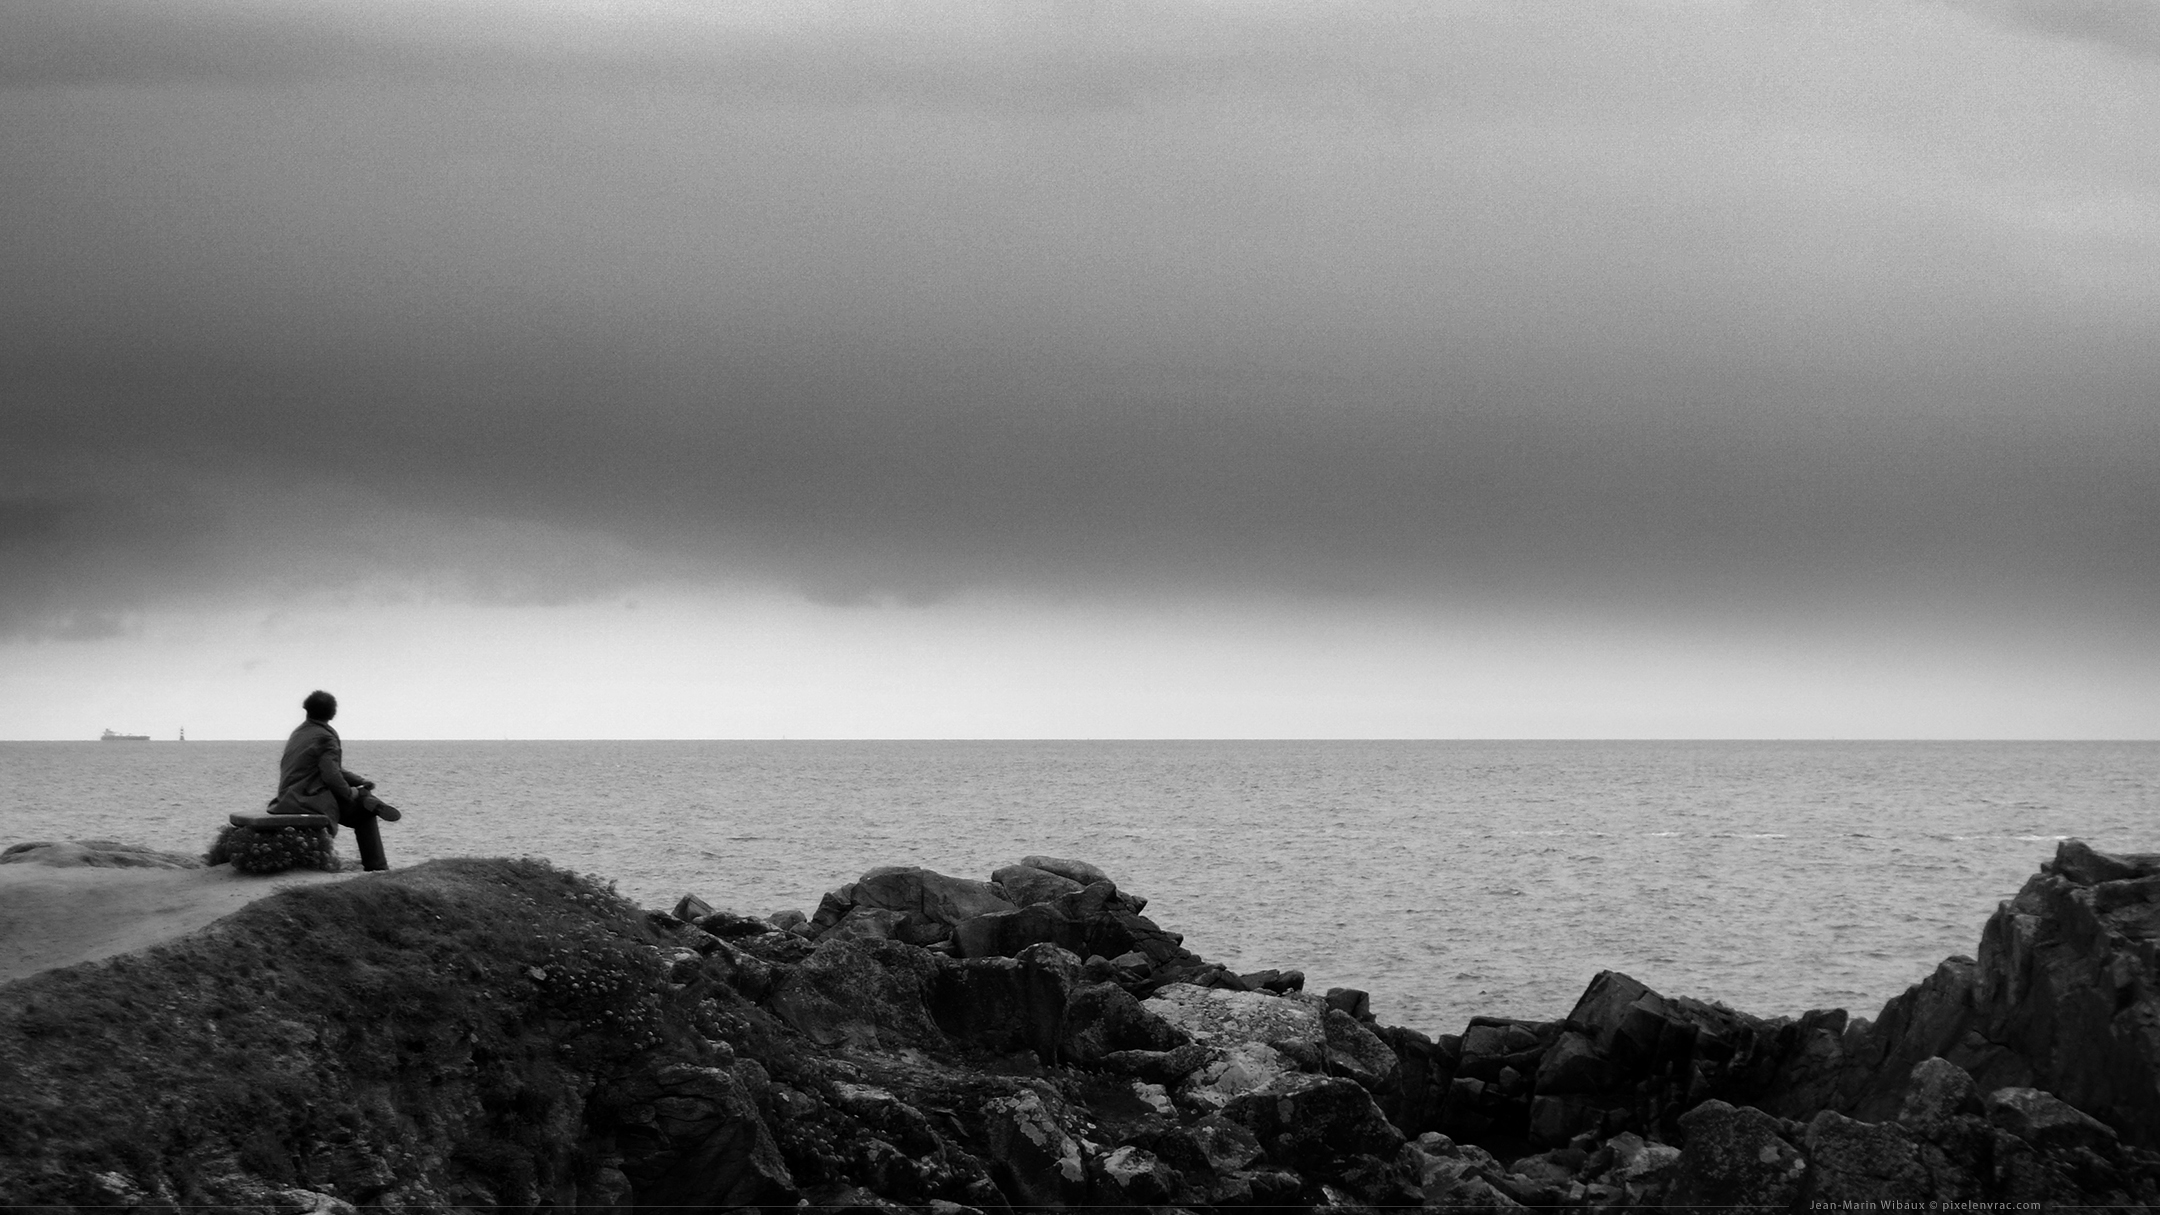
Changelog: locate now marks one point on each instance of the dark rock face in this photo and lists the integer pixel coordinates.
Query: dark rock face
(927, 1042)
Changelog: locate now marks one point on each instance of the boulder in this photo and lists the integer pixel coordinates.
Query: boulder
(1306, 1121)
(690, 909)
(1454, 1176)
(1074, 871)
(1864, 1162)
(1937, 1093)
(863, 994)
(2045, 1120)
(693, 1138)
(1135, 1177)
(1103, 1018)
(866, 924)
(927, 899)
(1736, 1157)
(1221, 1019)
(1574, 1065)
(2066, 995)
(1001, 1005)
(1034, 1150)
(2084, 865)
(1025, 885)
(1245, 1068)
(1166, 1067)
(1228, 1146)
(1354, 1051)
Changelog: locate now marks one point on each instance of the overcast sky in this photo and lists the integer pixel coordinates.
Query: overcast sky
(626, 368)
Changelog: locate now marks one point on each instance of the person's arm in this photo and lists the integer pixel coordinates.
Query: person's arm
(335, 777)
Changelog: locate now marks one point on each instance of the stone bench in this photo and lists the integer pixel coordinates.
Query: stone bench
(263, 820)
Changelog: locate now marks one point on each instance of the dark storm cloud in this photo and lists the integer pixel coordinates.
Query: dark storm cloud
(1612, 307)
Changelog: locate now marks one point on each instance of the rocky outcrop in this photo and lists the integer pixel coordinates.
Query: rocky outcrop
(95, 854)
(1032, 1040)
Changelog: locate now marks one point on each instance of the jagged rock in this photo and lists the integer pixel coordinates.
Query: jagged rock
(2068, 987)
(701, 1144)
(1305, 1120)
(867, 924)
(1131, 967)
(1244, 1068)
(1454, 1176)
(690, 909)
(1025, 885)
(2045, 1120)
(1855, 1162)
(1221, 1019)
(929, 903)
(1001, 1005)
(1034, 1155)
(1350, 1000)
(1937, 1093)
(1735, 1156)
(859, 993)
(1573, 1065)
(1103, 1018)
(1228, 1146)
(1354, 1051)
(1635, 1161)
(789, 921)
(1094, 920)
(1135, 1177)
(1165, 1067)
(732, 927)
(1075, 871)
(2082, 864)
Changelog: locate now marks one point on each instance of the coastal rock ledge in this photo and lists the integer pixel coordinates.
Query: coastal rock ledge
(503, 1035)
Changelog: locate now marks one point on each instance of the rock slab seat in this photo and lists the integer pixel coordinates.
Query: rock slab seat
(263, 820)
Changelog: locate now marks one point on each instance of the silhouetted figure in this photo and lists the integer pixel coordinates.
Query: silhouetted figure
(312, 780)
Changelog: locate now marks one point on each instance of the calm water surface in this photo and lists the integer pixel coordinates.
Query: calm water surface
(1447, 878)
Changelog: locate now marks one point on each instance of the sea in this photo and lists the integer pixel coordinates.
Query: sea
(1445, 878)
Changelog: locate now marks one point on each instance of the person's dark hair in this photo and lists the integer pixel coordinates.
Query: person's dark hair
(320, 705)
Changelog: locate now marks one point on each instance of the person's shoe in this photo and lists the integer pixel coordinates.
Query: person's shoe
(387, 812)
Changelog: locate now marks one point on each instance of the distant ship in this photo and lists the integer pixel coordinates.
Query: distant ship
(109, 736)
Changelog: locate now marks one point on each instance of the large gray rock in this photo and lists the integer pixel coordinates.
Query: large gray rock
(927, 893)
(1077, 871)
(1864, 1162)
(1221, 1019)
(1035, 1150)
(2045, 1120)
(2067, 990)
(1736, 1157)
(1358, 1053)
(1303, 1120)
(1025, 885)
(865, 994)
(693, 1138)
(1102, 1019)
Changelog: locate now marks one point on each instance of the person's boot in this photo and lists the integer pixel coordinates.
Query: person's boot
(384, 810)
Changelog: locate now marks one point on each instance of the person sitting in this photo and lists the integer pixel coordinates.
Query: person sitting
(312, 780)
